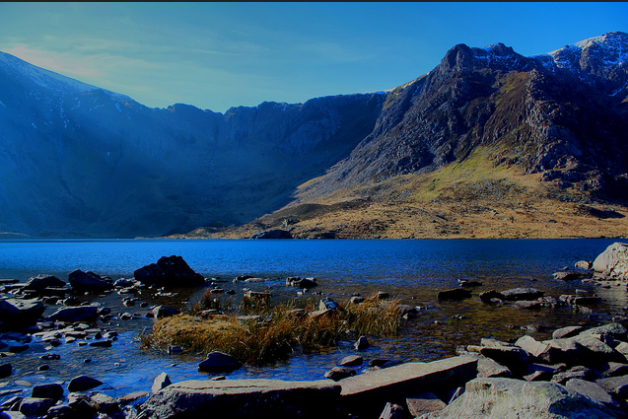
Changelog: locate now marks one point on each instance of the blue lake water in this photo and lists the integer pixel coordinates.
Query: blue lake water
(412, 270)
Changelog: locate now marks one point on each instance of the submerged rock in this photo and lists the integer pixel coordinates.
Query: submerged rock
(454, 294)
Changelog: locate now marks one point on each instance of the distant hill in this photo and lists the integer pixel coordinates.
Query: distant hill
(488, 144)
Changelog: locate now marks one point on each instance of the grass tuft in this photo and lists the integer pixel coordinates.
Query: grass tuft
(275, 333)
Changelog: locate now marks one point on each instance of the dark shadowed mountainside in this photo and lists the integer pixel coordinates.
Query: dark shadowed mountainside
(76, 160)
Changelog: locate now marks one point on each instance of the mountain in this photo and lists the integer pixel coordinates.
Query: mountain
(79, 161)
(488, 129)
(490, 143)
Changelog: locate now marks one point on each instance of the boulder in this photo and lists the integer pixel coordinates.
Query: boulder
(48, 391)
(567, 276)
(522, 294)
(250, 399)
(510, 398)
(424, 403)
(5, 370)
(579, 371)
(76, 314)
(490, 296)
(170, 271)
(613, 330)
(393, 411)
(338, 373)
(594, 391)
(512, 357)
(489, 368)
(88, 281)
(361, 344)
(617, 386)
(161, 381)
(35, 406)
(613, 261)
(303, 283)
(104, 403)
(596, 351)
(218, 362)
(534, 347)
(40, 282)
(564, 350)
(584, 264)
(351, 361)
(454, 294)
(328, 303)
(20, 313)
(83, 383)
(160, 312)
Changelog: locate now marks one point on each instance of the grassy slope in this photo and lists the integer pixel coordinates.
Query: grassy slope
(467, 199)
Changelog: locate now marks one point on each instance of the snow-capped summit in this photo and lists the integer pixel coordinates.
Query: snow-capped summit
(594, 55)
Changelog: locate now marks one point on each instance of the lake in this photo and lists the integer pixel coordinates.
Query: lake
(411, 270)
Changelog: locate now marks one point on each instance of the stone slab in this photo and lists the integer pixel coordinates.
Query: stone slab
(259, 398)
(371, 391)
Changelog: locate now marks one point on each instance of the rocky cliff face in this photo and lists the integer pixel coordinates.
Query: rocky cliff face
(563, 114)
(76, 160)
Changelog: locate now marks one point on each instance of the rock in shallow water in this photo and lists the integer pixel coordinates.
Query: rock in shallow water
(219, 362)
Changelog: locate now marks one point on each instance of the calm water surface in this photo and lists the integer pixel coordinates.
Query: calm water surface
(413, 270)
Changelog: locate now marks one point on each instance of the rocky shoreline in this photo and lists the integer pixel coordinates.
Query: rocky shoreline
(583, 370)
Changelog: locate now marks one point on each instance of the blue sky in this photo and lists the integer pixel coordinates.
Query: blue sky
(218, 55)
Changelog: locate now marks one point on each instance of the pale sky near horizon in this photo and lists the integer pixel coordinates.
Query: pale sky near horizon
(221, 55)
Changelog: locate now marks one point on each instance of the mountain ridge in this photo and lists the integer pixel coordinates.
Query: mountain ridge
(92, 163)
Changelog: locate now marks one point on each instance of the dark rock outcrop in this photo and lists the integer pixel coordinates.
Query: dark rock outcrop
(170, 271)
(88, 281)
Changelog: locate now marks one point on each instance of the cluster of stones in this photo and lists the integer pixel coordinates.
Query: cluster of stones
(22, 321)
(610, 269)
(51, 401)
(577, 372)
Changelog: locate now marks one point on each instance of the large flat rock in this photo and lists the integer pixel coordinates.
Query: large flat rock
(244, 399)
(372, 390)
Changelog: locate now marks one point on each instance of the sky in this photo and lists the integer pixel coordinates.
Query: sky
(221, 55)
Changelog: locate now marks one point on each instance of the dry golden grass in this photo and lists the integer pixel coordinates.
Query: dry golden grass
(281, 331)
(465, 199)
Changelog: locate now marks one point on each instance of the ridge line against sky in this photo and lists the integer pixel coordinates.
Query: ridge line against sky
(220, 55)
